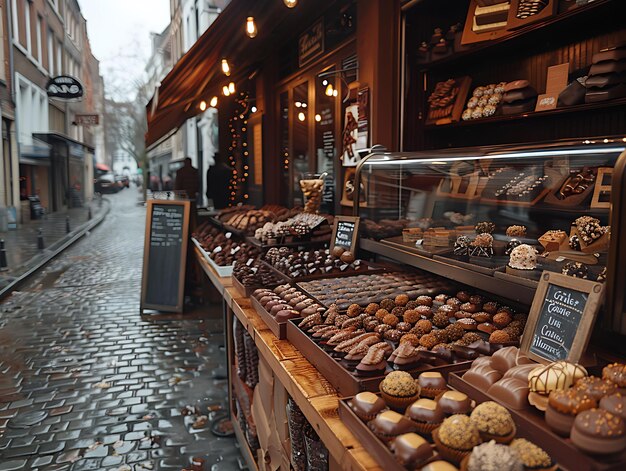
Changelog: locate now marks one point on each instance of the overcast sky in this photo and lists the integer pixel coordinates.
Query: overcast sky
(119, 32)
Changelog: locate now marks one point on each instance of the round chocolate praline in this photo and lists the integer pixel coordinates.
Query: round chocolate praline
(366, 405)
(425, 410)
(424, 300)
(599, 432)
(441, 298)
(454, 402)
(469, 307)
(615, 404)
(411, 450)
(454, 302)
(490, 307)
(463, 296)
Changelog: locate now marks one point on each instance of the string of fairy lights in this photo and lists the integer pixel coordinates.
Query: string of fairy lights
(237, 128)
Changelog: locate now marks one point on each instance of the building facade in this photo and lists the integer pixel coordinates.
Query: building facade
(55, 152)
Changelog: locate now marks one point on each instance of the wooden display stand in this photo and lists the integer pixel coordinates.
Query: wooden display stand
(602, 192)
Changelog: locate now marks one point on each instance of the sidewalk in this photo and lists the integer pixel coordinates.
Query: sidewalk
(23, 255)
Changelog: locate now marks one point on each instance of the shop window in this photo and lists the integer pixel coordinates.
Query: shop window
(326, 96)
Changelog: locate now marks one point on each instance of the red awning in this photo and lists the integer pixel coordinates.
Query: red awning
(104, 168)
(198, 75)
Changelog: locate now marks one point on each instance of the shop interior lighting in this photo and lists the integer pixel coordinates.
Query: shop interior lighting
(330, 90)
(225, 67)
(318, 117)
(213, 102)
(225, 90)
(231, 87)
(251, 29)
(298, 104)
(202, 105)
(301, 116)
(253, 109)
(290, 3)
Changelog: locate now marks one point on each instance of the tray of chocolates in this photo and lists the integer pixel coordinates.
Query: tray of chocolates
(578, 419)
(301, 230)
(373, 288)
(412, 423)
(276, 306)
(518, 186)
(293, 265)
(356, 348)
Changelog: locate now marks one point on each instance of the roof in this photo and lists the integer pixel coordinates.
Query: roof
(198, 76)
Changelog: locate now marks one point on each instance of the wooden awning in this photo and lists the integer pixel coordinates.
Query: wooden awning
(198, 75)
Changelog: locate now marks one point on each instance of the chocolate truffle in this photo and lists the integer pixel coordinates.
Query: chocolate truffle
(598, 431)
(563, 405)
(425, 411)
(499, 336)
(615, 404)
(458, 433)
(367, 405)
(390, 424)
(616, 373)
(441, 320)
(494, 457)
(493, 421)
(424, 300)
(595, 387)
(401, 300)
(530, 454)
(411, 450)
(432, 383)
(454, 402)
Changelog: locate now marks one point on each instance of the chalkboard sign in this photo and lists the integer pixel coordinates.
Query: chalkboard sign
(561, 318)
(165, 255)
(345, 232)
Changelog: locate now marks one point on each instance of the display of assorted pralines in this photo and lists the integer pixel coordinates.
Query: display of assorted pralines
(253, 272)
(409, 414)
(221, 247)
(522, 185)
(248, 219)
(590, 410)
(484, 101)
(286, 302)
(374, 288)
(297, 227)
(298, 264)
(403, 334)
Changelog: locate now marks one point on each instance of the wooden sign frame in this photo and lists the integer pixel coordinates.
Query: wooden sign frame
(594, 291)
(355, 233)
(146, 256)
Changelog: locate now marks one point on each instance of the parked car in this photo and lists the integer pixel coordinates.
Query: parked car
(123, 181)
(106, 183)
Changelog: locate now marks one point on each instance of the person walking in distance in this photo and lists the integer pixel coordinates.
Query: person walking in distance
(188, 180)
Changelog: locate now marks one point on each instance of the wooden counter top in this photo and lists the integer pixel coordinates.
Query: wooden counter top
(317, 399)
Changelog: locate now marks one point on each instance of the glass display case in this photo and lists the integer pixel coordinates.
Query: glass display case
(495, 217)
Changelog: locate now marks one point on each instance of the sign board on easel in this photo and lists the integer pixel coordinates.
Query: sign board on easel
(561, 318)
(165, 255)
(345, 233)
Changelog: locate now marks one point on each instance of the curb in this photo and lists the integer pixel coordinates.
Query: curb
(54, 251)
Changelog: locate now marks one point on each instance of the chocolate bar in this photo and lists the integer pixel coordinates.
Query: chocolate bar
(608, 67)
(601, 81)
(519, 94)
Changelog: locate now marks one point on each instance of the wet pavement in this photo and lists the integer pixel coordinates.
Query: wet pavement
(87, 383)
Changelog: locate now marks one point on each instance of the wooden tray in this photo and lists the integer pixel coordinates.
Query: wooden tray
(279, 329)
(370, 269)
(246, 291)
(381, 453)
(222, 271)
(346, 382)
(531, 425)
(312, 242)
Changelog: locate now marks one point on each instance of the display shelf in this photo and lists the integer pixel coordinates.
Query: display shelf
(315, 396)
(248, 456)
(499, 119)
(548, 29)
(218, 281)
(503, 288)
(532, 425)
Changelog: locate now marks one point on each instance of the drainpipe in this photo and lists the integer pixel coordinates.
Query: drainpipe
(16, 121)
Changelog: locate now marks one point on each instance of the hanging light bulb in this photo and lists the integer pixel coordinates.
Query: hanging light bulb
(202, 105)
(318, 117)
(225, 90)
(324, 82)
(231, 87)
(298, 104)
(290, 3)
(335, 93)
(301, 116)
(251, 29)
(253, 109)
(329, 90)
(213, 102)
(225, 67)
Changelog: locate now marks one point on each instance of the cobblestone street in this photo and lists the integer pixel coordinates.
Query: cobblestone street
(87, 383)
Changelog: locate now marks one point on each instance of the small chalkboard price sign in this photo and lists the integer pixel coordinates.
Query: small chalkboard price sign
(165, 255)
(345, 232)
(561, 318)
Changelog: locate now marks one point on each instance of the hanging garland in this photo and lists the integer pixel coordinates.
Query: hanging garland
(238, 150)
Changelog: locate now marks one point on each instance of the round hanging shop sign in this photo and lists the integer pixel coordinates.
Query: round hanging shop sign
(64, 87)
